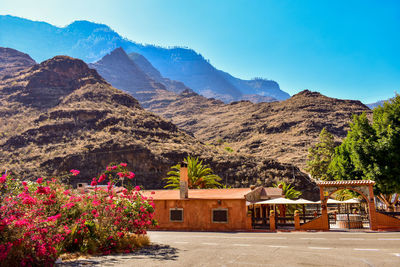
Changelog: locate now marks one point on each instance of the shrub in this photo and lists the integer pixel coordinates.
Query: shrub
(40, 220)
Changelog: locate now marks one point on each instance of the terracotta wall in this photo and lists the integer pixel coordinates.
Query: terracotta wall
(387, 222)
(316, 224)
(197, 214)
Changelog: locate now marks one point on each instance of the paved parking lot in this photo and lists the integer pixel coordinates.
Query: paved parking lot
(261, 249)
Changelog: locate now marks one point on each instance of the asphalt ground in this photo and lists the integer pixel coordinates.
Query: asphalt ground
(260, 249)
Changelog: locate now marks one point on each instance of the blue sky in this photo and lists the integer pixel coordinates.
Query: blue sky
(344, 49)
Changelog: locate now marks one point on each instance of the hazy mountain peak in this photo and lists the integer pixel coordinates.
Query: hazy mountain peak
(91, 41)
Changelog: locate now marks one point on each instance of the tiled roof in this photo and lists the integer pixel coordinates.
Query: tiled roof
(233, 193)
(346, 182)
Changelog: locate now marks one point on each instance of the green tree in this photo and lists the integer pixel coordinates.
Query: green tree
(320, 156)
(372, 151)
(200, 175)
(355, 154)
(288, 190)
(386, 169)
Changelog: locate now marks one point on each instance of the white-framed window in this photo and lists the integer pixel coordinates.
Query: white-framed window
(176, 215)
(219, 215)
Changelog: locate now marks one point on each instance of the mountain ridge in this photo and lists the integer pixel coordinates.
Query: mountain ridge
(91, 41)
(280, 130)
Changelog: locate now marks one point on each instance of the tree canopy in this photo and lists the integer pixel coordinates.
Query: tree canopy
(320, 156)
(371, 150)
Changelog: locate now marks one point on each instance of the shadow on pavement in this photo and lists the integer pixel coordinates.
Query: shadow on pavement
(155, 252)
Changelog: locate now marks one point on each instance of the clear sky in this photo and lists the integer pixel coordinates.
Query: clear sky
(345, 49)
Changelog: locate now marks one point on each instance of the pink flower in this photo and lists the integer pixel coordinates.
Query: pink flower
(120, 174)
(39, 180)
(3, 179)
(28, 200)
(68, 205)
(137, 188)
(102, 178)
(74, 172)
(131, 175)
(109, 186)
(114, 167)
(24, 183)
(96, 203)
(123, 164)
(94, 182)
(53, 218)
(43, 190)
(67, 230)
(95, 214)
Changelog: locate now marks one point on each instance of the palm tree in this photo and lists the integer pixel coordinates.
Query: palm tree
(290, 193)
(288, 190)
(200, 175)
(345, 194)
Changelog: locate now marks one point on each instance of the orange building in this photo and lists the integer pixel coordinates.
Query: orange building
(206, 209)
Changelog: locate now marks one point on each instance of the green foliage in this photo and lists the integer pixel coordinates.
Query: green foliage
(320, 156)
(355, 153)
(288, 190)
(346, 194)
(372, 151)
(200, 175)
(229, 149)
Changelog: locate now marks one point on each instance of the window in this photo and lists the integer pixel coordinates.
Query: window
(220, 215)
(176, 215)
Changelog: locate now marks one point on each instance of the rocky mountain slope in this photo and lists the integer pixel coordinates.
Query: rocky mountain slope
(60, 115)
(13, 61)
(90, 42)
(153, 73)
(280, 130)
(123, 73)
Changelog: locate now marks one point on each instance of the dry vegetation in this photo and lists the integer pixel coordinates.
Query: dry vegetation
(280, 130)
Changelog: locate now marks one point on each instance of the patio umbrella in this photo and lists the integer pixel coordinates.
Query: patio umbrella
(334, 201)
(279, 200)
(305, 201)
(352, 201)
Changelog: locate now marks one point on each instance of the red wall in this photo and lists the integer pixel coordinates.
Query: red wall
(198, 214)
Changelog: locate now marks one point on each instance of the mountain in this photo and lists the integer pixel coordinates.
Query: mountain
(123, 73)
(13, 61)
(377, 104)
(91, 41)
(257, 87)
(280, 130)
(60, 114)
(145, 65)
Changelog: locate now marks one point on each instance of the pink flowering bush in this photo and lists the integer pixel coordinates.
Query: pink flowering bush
(42, 219)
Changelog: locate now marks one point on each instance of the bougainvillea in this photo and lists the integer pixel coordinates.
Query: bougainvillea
(42, 219)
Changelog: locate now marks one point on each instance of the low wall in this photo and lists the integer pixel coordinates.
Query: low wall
(197, 214)
(385, 222)
(316, 224)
